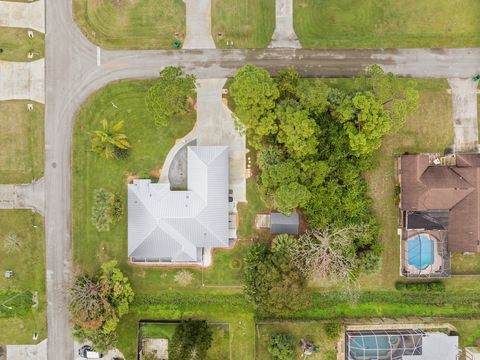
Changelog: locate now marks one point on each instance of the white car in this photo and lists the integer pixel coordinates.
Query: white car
(87, 352)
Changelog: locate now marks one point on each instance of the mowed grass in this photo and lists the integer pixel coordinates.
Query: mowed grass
(248, 23)
(465, 264)
(16, 44)
(130, 24)
(22, 139)
(28, 264)
(387, 23)
(312, 331)
(430, 129)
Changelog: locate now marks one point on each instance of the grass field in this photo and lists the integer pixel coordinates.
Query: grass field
(131, 24)
(16, 44)
(466, 264)
(311, 331)
(248, 23)
(27, 261)
(22, 139)
(387, 23)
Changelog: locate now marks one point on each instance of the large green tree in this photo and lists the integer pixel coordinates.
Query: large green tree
(97, 304)
(272, 283)
(169, 96)
(291, 196)
(255, 94)
(191, 341)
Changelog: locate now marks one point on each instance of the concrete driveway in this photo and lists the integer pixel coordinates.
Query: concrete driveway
(465, 114)
(27, 352)
(23, 15)
(23, 196)
(22, 80)
(199, 25)
(284, 35)
(215, 126)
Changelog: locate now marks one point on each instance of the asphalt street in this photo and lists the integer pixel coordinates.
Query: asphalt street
(75, 69)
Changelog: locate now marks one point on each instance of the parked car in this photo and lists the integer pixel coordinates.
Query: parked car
(87, 352)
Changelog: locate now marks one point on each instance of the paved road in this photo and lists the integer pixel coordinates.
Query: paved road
(72, 75)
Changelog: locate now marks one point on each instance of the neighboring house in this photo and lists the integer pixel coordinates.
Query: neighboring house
(400, 344)
(183, 226)
(440, 211)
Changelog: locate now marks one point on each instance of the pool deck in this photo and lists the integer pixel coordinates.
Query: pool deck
(434, 267)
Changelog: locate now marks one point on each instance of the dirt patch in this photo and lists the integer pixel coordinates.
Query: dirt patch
(156, 172)
(123, 3)
(130, 178)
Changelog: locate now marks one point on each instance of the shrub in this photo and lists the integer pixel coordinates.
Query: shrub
(420, 286)
(107, 209)
(281, 347)
(332, 329)
(183, 277)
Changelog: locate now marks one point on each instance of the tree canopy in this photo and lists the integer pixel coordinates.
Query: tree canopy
(97, 304)
(191, 341)
(169, 96)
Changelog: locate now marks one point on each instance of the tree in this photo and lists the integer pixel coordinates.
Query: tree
(367, 125)
(272, 283)
(328, 253)
(97, 304)
(109, 139)
(291, 196)
(399, 97)
(107, 209)
(255, 93)
(191, 341)
(297, 131)
(283, 173)
(270, 155)
(281, 347)
(169, 96)
(287, 82)
(313, 95)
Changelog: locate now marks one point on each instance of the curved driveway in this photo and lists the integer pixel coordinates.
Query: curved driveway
(72, 75)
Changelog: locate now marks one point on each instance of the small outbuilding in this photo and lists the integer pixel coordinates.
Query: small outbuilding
(282, 224)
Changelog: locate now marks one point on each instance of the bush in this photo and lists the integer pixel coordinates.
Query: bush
(119, 153)
(332, 329)
(107, 209)
(420, 286)
(281, 347)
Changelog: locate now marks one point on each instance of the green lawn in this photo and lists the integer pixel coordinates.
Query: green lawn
(27, 261)
(468, 330)
(387, 23)
(248, 23)
(16, 44)
(131, 24)
(220, 348)
(313, 331)
(465, 264)
(22, 139)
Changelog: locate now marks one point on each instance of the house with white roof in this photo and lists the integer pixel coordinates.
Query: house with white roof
(167, 226)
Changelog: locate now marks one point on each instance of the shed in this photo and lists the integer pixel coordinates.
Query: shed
(282, 224)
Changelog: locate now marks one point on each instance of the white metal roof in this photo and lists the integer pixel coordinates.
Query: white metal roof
(173, 224)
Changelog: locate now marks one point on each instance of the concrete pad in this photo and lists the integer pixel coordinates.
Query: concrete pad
(215, 126)
(465, 114)
(23, 15)
(30, 352)
(284, 35)
(199, 25)
(22, 80)
(23, 196)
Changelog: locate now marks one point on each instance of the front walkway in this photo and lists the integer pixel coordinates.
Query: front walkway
(23, 196)
(465, 114)
(284, 35)
(215, 126)
(22, 80)
(199, 25)
(23, 15)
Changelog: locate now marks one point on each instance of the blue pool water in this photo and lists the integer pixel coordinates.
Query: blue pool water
(420, 251)
(366, 347)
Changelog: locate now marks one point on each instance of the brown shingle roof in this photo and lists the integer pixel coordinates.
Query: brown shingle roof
(453, 188)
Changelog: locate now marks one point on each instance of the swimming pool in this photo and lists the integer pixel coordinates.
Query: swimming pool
(368, 346)
(420, 251)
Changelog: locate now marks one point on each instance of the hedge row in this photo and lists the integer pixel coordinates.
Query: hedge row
(420, 286)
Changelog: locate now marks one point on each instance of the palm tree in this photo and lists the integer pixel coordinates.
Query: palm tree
(109, 139)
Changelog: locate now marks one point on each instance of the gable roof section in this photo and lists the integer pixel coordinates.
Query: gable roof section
(456, 188)
(174, 224)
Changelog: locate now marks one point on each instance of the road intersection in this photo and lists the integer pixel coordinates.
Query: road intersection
(75, 69)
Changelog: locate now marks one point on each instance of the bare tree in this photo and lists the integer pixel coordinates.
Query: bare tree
(12, 242)
(183, 278)
(328, 253)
